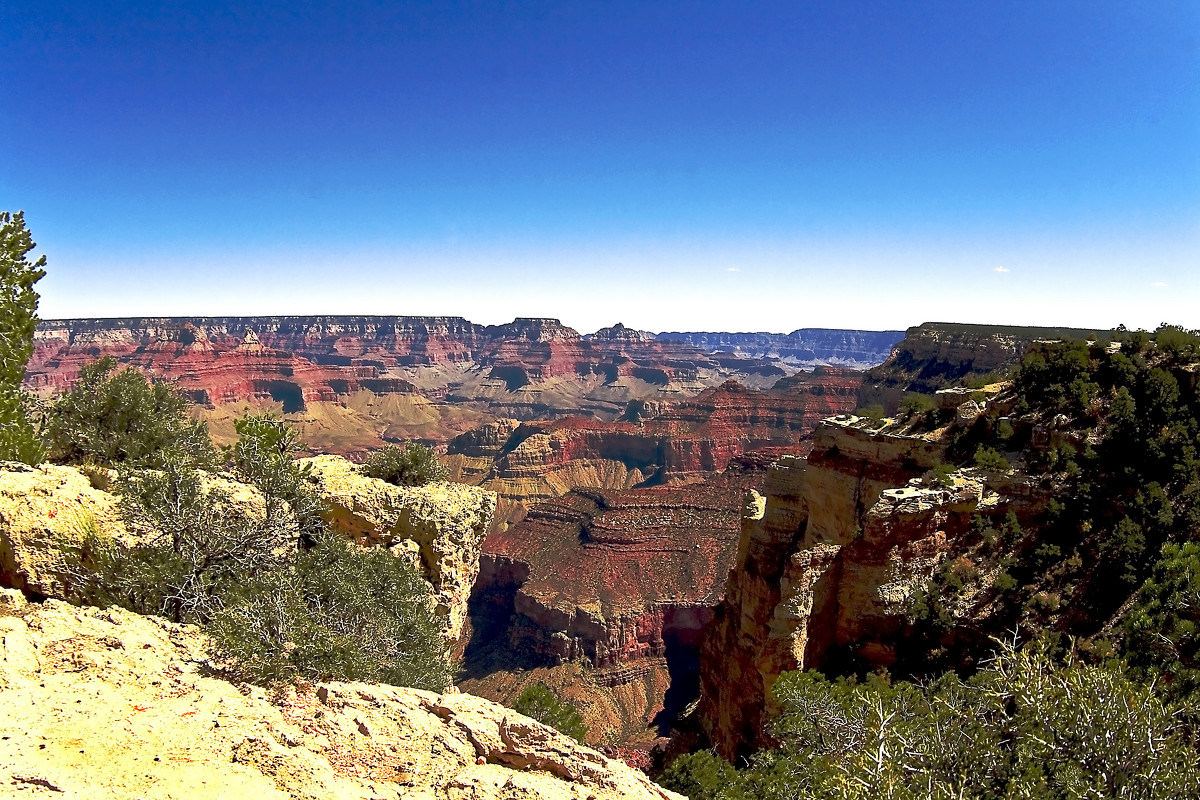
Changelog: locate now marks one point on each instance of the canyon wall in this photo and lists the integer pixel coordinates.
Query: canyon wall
(806, 347)
(826, 566)
(655, 441)
(935, 355)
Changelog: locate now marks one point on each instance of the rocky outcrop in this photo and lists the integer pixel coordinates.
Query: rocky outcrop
(106, 704)
(47, 512)
(935, 355)
(805, 348)
(442, 524)
(825, 570)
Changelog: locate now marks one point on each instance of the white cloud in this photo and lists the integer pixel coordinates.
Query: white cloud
(734, 269)
(1001, 269)
(1159, 285)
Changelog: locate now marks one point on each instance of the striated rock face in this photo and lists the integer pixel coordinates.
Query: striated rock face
(47, 512)
(657, 440)
(936, 354)
(354, 383)
(622, 581)
(807, 347)
(445, 521)
(824, 572)
(107, 704)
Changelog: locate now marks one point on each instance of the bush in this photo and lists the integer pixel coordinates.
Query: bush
(538, 702)
(411, 465)
(990, 461)
(343, 612)
(118, 418)
(201, 552)
(1023, 727)
(265, 455)
(915, 404)
(329, 610)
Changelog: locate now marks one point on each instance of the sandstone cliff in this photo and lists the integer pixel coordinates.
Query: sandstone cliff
(107, 704)
(826, 568)
(441, 524)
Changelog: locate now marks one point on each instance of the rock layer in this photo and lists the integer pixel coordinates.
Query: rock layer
(107, 704)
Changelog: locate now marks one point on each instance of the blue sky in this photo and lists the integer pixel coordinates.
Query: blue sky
(698, 166)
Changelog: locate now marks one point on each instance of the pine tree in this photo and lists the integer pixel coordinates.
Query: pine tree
(18, 320)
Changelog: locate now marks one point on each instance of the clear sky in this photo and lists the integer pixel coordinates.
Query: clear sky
(674, 166)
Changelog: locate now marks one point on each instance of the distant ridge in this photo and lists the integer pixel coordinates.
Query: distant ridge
(805, 347)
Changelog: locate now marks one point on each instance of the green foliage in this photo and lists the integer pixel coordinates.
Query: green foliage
(1163, 627)
(344, 612)
(700, 776)
(538, 702)
(916, 404)
(991, 461)
(18, 321)
(275, 610)
(119, 418)
(265, 455)
(203, 548)
(874, 413)
(411, 465)
(941, 475)
(1024, 727)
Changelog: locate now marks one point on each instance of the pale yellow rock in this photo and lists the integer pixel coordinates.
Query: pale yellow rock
(101, 705)
(447, 521)
(46, 513)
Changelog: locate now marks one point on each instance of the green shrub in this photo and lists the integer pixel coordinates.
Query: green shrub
(700, 776)
(275, 609)
(202, 549)
(538, 702)
(874, 413)
(265, 455)
(411, 465)
(343, 612)
(990, 461)
(119, 418)
(941, 475)
(1025, 726)
(915, 404)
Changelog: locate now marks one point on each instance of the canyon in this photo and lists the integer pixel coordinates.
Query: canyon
(352, 383)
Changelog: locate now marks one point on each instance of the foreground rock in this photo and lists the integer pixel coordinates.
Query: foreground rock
(108, 704)
(440, 525)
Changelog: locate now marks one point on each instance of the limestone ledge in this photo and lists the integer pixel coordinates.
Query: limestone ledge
(109, 705)
(446, 521)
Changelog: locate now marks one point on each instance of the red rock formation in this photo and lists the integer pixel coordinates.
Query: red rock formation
(611, 576)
